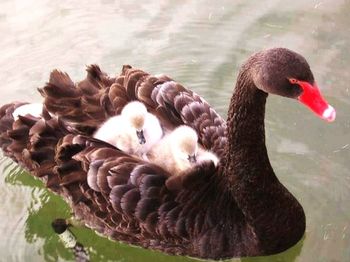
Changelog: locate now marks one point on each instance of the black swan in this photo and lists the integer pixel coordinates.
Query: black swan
(238, 208)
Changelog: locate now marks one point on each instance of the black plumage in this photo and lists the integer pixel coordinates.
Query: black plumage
(236, 209)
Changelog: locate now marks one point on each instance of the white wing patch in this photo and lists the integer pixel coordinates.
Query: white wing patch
(34, 109)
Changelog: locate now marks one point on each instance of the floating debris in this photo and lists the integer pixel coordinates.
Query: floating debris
(61, 227)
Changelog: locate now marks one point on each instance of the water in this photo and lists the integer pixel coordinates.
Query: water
(200, 44)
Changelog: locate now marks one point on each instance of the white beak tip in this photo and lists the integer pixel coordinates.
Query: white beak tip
(329, 114)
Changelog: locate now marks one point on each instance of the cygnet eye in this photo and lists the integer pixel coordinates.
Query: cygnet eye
(192, 158)
(141, 137)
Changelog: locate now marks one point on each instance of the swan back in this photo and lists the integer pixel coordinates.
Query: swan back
(99, 97)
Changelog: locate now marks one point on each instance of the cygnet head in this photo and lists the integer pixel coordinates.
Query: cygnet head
(135, 113)
(184, 142)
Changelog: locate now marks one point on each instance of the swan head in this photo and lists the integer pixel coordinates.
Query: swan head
(135, 113)
(184, 143)
(284, 72)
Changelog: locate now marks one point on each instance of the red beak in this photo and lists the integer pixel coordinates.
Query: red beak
(312, 98)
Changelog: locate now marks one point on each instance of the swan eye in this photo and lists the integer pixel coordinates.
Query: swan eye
(293, 81)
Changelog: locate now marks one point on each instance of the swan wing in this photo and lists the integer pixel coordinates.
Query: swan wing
(79, 104)
(134, 197)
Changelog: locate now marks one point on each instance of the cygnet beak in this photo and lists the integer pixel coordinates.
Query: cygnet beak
(192, 158)
(141, 137)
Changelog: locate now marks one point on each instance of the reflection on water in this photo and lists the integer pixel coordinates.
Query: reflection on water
(200, 44)
(35, 222)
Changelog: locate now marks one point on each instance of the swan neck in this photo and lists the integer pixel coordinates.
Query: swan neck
(248, 175)
(246, 150)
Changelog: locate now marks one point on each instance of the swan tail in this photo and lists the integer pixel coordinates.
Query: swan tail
(6, 123)
(42, 146)
(31, 142)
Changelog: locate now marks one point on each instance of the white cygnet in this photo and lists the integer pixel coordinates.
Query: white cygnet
(179, 151)
(134, 131)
